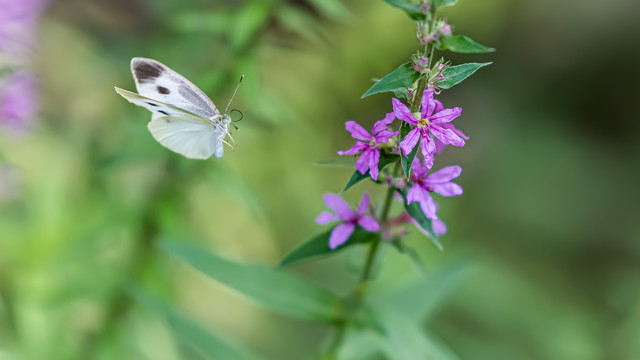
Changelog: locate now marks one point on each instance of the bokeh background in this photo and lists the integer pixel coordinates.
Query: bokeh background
(549, 217)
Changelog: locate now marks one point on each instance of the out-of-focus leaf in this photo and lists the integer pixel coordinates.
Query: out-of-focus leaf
(456, 74)
(402, 248)
(404, 339)
(359, 344)
(437, 4)
(299, 22)
(319, 246)
(416, 213)
(332, 8)
(462, 44)
(415, 11)
(385, 159)
(273, 289)
(399, 80)
(205, 343)
(407, 161)
(248, 21)
(216, 22)
(420, 299)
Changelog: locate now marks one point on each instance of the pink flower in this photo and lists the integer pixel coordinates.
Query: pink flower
(446, 30)
(368, 151)
(348, 218)
(439, 144)
(438, 182)
(18, 100)
(428, 122)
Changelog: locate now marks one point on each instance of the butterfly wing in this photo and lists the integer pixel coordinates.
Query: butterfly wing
(187, 136)
(157, 81)
(157, 108)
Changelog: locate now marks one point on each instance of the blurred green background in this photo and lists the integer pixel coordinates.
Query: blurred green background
(549, 217)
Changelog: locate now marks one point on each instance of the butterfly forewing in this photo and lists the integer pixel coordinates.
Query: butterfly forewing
(155, 80)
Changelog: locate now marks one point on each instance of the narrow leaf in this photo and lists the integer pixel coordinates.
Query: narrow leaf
(205, 343)
(385, 159)
(462, 44)
(319, 246)
(407, 161)
(437, 4)
(273, 289)
(332, 8)
(404, 339)
(456, 74)
(415, 11)
(416, 213)
(399, 80)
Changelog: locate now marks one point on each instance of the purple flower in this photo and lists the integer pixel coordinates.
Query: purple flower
(18, 100)
(439, 144)
(368, 151)
(446, 30)
(428, 122)
(348, 218)
(438, 182)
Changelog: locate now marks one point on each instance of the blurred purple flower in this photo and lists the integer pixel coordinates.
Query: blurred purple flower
(368, 151)
(348, 218)
(18, 100)
(428, 122)
(438, 182)
(439, 144)
(18, 22)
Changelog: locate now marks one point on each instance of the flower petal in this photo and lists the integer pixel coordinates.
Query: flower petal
(447, 189)
(402, 112)
(364, 205)
(421, 195)
(357, 131)
(428, 104)
(340, 235)
(326, 217)
(369, 223)
(362, 165)
(444, 175)
(355, 149)
(439, 227)
(447, 136)
(374, 159)
(384, 135)
(410, 141)
(428, 146)
(439, 106)
(382, 124)
(445, 115)
(337, 204)
(418, 170)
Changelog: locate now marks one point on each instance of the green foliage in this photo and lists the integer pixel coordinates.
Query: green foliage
(385, 159)
(407, 161)
(437, 4)
(462, 44)
(332, 8)
(415, 11)
(272, 289)
(188, 332)
(399, 80)
(319, 246)
(416, 213)
(456, 74)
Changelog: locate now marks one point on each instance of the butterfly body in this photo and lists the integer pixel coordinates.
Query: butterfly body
(183, 118)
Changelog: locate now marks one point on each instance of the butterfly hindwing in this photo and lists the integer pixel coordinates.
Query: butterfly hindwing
(157, 81)
(188, 136)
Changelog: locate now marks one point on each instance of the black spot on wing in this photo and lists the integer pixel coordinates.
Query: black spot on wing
(152, 104)
(147, 72)
(163, 112)
(163, 90)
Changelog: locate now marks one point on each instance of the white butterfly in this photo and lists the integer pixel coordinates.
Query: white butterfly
(183, 118)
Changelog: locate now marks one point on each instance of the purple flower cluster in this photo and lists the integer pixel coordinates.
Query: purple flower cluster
(433, 128)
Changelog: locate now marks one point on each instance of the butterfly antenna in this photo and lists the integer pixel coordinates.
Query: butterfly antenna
(234, 94)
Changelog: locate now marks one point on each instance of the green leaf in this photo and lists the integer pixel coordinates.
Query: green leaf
(399, 80)
(432, 291)
(416, 213)
(319, 246)
(456, 74)
(205, 343)
(415, 11)
(332, 8)
(404, 339)
(407, 161)
(462, 44)
(437, 4)
(248, 22)
(385, 159)
(217, 22)
(273, 289)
